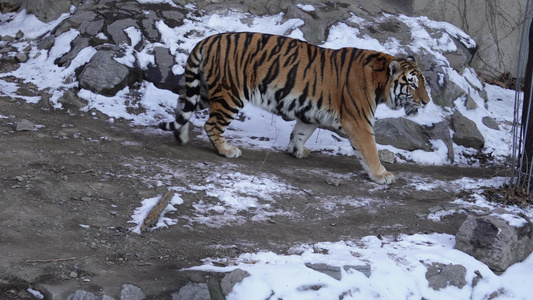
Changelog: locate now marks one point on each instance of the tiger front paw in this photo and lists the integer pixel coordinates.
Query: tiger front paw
(230, 152)
(383, 178)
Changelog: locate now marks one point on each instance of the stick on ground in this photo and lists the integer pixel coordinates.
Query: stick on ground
(155, 213)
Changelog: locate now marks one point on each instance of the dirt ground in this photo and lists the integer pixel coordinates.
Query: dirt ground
(77, 168)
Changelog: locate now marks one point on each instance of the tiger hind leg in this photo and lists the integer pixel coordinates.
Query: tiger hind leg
(220, 116)
(300, 134)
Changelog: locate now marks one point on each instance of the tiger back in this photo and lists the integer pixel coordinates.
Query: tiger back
(335, 89)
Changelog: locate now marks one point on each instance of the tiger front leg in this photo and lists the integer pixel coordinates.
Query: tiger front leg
(366, 150)
(300, 134)
(215, 127)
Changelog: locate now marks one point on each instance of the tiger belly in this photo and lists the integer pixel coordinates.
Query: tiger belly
(297, 108)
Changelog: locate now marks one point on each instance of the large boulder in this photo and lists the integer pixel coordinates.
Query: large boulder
(161, 73)
(495, 241)
(466, 132)
(402, 134)
(104, 75)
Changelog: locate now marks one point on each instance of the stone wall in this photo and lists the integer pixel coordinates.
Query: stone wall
(495, 25)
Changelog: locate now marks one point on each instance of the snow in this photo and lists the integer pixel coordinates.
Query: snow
(398, 265)
(398, 269)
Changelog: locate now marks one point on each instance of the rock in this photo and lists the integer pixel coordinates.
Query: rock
(386, 156)
(192, 291)
(332, 271)
(466, 132)
(92, 28)
(490, 123)
(148, 24)
(24, 125)
(173, 18)
(161, 73)
(440, 276)
(333, 181)
(470, 104)
(131, 292)
(49, 10)
(81, 17)
(8, 64)
(70, 100)
(401, 133)
(46, 43)
(104, 75)
(231, 279)
(116, 30)
(365, 269)
(76, 46)
(19, 35)
(441, 131)
(53, 291)
(84, 295)
(215, 290)
(451, 92)
(494, 242)
(21, 57)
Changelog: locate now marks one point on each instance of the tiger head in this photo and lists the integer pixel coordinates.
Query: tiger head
(407, 86)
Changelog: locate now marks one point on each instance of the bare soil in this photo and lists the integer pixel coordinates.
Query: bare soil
(78, 168)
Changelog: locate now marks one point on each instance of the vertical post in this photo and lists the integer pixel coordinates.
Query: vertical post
(527, 122)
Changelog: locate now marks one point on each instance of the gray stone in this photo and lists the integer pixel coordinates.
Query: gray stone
(386, 156)
(332, 271)
(70, 100)
(451, 92)
(8, 64)
(492, 26)
(231, 279)
(116, 30)
(365, 269)
(54, 291)
(490, 123)
(192, 291)
(104, 75)
(215, 290)
(440, 276)
(131, 292)
(84, 295)
(49, 10)
(80, 17)
(470, 104)
(401, 133)
(494, 242)
(466, 132)
(93, 28)
(441, 131)
(21, 57)
(173, 18)
(161, 73)
(46, 43)
(77, 45)
(148, 24)
(24, 125)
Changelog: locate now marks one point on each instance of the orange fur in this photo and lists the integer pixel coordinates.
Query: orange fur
(334, 89)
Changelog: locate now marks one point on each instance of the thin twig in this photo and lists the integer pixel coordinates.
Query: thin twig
(29, 261)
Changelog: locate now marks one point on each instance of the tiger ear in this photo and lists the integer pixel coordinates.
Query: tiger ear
(394, 68)
(410, 58)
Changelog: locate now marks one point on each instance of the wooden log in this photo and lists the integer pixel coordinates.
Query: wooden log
(155, 213)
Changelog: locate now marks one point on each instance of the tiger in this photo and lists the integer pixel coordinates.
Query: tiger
(334, 89)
